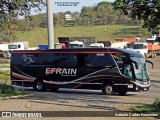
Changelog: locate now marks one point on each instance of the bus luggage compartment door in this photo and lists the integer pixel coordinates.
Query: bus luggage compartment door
(121, 88)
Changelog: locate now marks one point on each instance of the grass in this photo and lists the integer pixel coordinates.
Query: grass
(5, 75)
(9, 90)
(39, 35)
(146, 108)
(155, 107)
(13, 94)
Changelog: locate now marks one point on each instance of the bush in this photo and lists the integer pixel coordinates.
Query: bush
(155, 107)
(144, 108)
(7, 89)
(156, 103)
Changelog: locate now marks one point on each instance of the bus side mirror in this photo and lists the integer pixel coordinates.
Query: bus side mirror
(136, 64)
(150, 63)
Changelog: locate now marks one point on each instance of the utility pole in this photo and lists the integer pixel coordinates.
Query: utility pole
(50, 24)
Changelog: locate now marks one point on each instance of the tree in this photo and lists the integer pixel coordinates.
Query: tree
(12, 9)
(76, 17)
(104, 12)
(147, 10)
(104, 3)
(89, 15)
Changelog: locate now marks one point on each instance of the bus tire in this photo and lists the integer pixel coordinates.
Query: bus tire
(108, 89)
(39, 85)
(122, 92)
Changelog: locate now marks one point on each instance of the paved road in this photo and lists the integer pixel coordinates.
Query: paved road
(80, 100)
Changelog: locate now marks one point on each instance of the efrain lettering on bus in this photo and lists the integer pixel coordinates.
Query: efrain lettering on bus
(61, 71)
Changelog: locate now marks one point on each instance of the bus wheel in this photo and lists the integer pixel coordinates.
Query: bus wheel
(39, 85)
(108, 89)
(122, 92)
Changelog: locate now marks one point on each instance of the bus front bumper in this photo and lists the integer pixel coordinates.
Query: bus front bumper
(142, 86)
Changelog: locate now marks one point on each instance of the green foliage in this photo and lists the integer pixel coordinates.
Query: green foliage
(102, 14)
(147, 10)
(155, 107)
(5, 75)
(104, 3)
(16, 93)
(39, 35)
(144, 108)
(7, 89)
(157, 103)
(10, 10)
(119, 5)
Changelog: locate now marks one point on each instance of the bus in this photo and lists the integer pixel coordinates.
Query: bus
(112, 70)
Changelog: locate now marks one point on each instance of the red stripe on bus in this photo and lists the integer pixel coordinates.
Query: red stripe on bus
(22, 78)
(95, 80)
(47, 82)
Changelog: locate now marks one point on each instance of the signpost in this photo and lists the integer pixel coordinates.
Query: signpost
(50, 24)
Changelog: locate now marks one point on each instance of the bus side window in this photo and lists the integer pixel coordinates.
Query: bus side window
(17, 59)
(127, 70)
(120, 60)
(100, 60)
(81, 60)
(67, 60)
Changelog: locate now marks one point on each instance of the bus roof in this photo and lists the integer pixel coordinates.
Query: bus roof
(127, 52)
(83, 50)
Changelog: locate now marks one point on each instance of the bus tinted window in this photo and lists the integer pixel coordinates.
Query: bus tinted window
(67, 60)
(17, 59)
(57, 59)
(99, 60)
(119, 58)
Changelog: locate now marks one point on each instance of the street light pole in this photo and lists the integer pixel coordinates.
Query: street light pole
(50, 24)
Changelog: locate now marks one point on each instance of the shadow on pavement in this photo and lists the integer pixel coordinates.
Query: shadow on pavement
(155, 81)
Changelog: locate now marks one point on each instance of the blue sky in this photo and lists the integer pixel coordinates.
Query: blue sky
(80, 4)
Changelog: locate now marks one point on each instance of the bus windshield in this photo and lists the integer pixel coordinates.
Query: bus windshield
(142, 71)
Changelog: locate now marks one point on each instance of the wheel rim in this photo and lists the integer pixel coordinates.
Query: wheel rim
(39, 86)
(109, 89)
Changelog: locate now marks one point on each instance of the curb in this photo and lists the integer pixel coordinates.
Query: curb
(15, 97)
